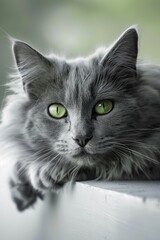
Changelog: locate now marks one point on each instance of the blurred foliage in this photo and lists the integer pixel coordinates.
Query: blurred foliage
(76, 27)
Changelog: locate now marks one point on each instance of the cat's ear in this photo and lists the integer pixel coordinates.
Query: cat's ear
(124, 51)
(32, 66)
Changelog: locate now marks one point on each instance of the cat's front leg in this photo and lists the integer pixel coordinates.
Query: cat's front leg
(22, 192)
(44, 180)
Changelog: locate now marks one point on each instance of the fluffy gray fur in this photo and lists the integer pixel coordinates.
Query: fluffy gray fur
(124, 144)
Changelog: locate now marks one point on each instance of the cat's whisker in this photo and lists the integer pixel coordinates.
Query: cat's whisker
(147, 158)
(49, 167)
(39, 153)
(134, 144)
(134, 152)
(140, 129)
(44, 156)
(55, 168)
(150, 148)
(138, 164)
(73, 172)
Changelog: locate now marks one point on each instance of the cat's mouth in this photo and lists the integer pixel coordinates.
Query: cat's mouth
(82, 158)
(81, 153)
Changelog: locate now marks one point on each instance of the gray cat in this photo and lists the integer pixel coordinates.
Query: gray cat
(87, 118)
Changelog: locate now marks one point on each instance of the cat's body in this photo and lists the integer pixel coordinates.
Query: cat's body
(123, 143)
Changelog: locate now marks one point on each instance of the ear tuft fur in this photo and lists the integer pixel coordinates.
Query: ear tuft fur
(32, 65)
(124, 51)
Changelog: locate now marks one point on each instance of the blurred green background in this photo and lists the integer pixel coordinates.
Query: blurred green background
(72, 28)
(76, 27)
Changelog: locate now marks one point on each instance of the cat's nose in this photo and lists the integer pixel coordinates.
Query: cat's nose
(82, 140)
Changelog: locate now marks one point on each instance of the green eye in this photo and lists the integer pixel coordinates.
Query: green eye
(103, 107)
(57, 110)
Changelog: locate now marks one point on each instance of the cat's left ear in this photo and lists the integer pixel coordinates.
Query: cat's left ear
(33, 68)
(124, 51)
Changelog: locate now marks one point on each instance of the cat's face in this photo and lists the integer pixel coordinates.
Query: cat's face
(81, 109)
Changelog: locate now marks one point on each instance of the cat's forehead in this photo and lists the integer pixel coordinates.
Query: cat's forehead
(79, 83)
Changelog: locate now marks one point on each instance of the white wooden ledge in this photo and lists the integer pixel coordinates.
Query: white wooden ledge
(87, 211)
(104, 211)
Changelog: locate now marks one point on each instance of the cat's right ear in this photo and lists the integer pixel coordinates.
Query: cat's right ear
(123, 53)
(32, 66)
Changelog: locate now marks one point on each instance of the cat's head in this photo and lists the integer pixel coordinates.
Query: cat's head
(81, 108)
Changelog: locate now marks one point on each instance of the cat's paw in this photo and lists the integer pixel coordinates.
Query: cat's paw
(23, 195)
(44, 182)
(47, 183)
